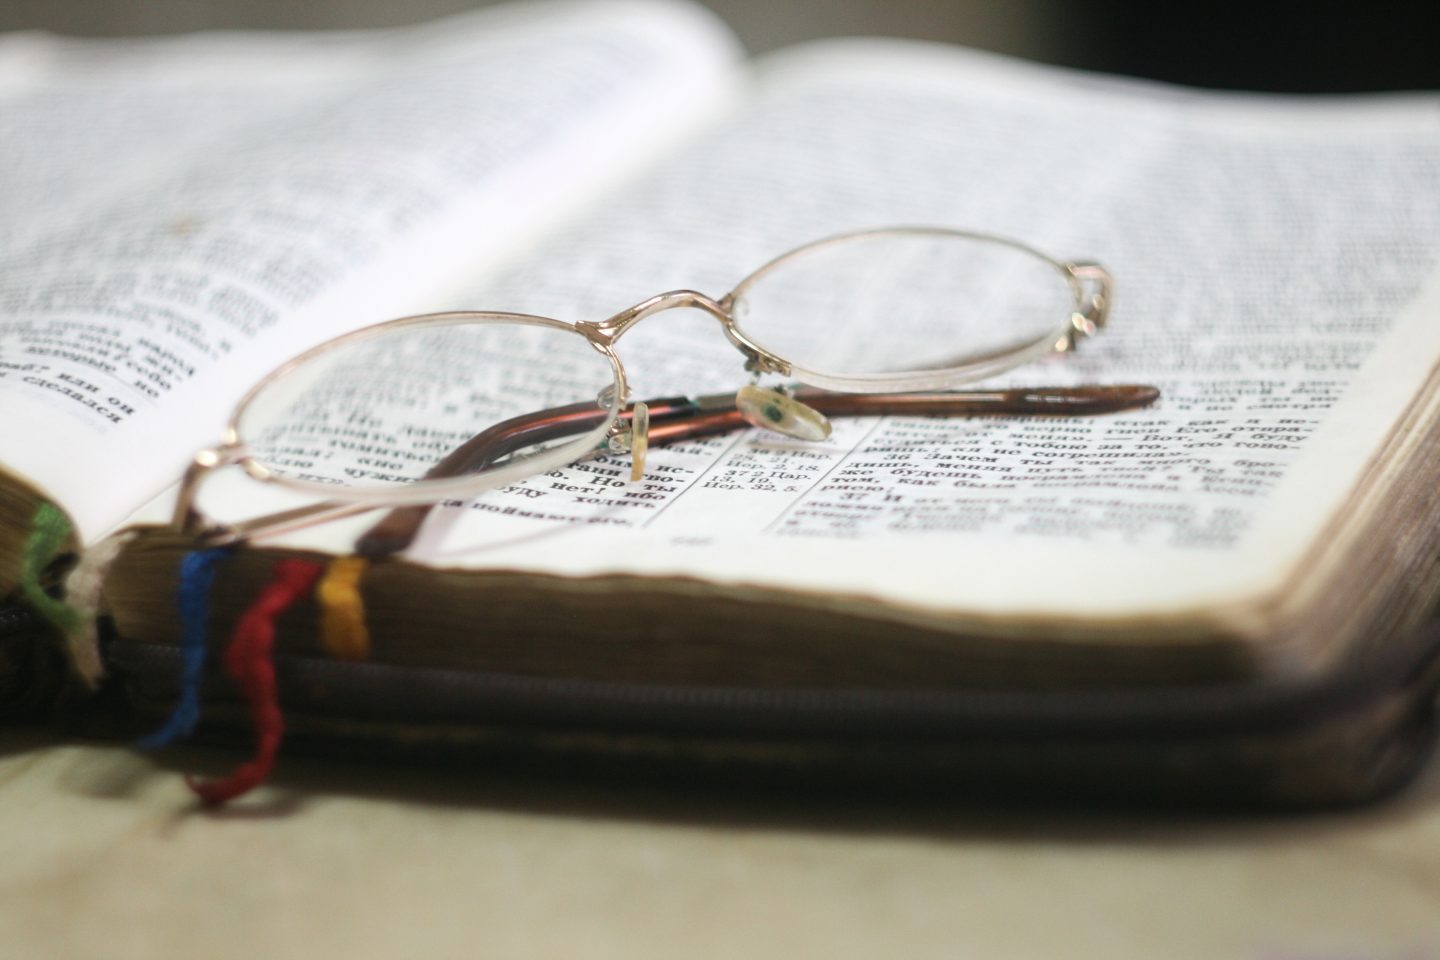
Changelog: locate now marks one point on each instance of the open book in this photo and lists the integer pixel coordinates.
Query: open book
(182, 215)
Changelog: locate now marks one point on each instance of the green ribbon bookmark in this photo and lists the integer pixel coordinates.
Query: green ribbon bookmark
(49, 533)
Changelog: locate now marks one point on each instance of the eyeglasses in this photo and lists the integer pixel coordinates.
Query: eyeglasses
(412, 412)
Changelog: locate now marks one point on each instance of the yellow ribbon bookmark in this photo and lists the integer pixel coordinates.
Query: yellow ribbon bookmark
(342, 611)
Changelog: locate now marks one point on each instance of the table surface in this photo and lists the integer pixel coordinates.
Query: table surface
(103, 853)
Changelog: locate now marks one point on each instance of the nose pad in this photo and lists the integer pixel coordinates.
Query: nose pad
(639, 439)
(631, 436)
(776, 410)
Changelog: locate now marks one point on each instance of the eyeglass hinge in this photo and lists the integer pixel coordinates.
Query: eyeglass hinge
(756, 365)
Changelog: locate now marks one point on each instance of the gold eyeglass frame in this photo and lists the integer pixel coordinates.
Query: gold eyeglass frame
(1090, 284)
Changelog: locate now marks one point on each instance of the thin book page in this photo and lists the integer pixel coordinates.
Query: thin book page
(221, 202)
(1270, 256)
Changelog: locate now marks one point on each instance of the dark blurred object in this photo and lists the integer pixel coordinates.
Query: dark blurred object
(33, 673)
(1279, 45)
(1300, 46)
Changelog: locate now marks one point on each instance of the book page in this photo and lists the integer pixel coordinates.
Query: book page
(180, 215)
(1271, 257)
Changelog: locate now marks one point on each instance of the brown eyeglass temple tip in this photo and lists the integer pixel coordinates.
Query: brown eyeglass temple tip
(676, 419)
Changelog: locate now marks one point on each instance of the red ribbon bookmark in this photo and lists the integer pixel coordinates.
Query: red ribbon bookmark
(249, 661)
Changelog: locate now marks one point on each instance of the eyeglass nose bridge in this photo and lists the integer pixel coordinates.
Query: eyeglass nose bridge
(757, 359)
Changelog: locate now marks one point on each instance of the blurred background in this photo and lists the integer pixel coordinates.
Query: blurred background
(1283, 45)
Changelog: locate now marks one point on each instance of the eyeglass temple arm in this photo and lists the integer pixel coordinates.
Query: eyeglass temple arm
(676, 419)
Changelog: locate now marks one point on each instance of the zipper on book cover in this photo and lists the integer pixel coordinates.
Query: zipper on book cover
(400, 694)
